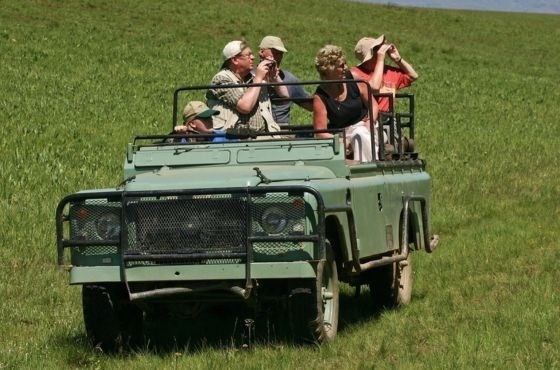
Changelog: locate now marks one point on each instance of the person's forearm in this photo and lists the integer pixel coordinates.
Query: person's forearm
(281, 90)
(406, 68)
(377, 77)
(247, 102)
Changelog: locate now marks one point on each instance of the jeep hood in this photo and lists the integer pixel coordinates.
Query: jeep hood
(167, 178)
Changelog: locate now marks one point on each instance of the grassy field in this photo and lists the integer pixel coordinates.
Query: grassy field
(79, 79)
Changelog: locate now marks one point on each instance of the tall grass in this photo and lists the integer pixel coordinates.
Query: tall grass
(80, 78)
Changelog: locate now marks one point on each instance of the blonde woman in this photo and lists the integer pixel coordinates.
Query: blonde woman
(343, 104)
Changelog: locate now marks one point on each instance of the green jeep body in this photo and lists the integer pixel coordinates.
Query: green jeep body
(284, 218)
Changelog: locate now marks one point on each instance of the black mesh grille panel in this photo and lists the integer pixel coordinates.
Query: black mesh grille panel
(96, 250)
(213, 227)
(199, 225)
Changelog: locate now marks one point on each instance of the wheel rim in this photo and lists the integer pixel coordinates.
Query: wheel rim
(404, 281)
(328, 309)
(329, 297)
(313, 304)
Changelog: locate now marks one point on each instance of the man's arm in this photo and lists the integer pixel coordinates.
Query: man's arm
(403, 65)
(299, 95)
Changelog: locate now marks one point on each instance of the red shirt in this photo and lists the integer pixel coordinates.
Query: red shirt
(393, 79)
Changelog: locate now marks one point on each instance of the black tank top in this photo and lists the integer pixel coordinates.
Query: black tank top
(347, 112)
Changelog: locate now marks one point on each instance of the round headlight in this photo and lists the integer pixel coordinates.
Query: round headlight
(108, 226)
(274, 220)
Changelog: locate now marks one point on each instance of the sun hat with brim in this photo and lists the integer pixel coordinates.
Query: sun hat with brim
(364, 47)
(197, 109)
(273, 42)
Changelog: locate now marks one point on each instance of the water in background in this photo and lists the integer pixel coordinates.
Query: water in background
(523, 6)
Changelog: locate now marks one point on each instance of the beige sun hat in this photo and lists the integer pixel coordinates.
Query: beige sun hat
(197, 109)
(363, 49)
(273, 42)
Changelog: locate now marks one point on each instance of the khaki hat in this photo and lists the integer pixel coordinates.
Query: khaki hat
(363, 49)
(197, 109)
(273, 42)
(232, 48)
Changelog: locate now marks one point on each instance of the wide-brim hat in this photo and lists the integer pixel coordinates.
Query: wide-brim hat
(364, 47)
(273, 42)
(197, 109)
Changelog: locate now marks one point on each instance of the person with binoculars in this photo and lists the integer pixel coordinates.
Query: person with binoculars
(383, 78)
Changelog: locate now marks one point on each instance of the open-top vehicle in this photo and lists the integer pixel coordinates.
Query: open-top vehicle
(254, 218)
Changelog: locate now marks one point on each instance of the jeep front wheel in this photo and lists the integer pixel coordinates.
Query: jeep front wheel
(112, 323)
(314, 304)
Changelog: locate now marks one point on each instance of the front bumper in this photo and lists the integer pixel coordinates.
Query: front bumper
(180, 273)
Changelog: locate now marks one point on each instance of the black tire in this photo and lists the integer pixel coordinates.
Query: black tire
(112, 323)
(391, 285)
(314, 304)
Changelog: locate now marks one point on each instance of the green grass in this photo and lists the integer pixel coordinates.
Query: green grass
(78, 79)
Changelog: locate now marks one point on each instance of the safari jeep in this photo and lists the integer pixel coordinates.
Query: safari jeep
(276, 221)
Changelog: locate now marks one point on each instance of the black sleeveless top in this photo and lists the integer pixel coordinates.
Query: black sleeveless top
(347, 112)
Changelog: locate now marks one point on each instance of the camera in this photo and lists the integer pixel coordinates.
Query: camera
(271, 64)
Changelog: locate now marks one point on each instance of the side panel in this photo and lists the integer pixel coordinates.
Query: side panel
(378, 204)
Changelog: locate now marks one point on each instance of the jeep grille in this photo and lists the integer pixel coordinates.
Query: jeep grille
(152, 227)
(212, 228)
(209, 226)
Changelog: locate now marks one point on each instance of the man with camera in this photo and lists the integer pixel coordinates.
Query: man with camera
(272, 47)
(244, 107)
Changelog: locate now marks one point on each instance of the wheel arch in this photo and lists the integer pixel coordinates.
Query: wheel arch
(334, 232)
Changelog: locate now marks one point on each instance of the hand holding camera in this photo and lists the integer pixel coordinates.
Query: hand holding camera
(272, 69)
(266, 70)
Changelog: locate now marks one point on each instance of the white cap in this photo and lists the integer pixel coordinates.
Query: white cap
(232, 48)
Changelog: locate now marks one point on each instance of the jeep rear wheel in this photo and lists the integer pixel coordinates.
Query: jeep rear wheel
(314, 304)
(403, 282)
(391, 285)
(112, 323)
